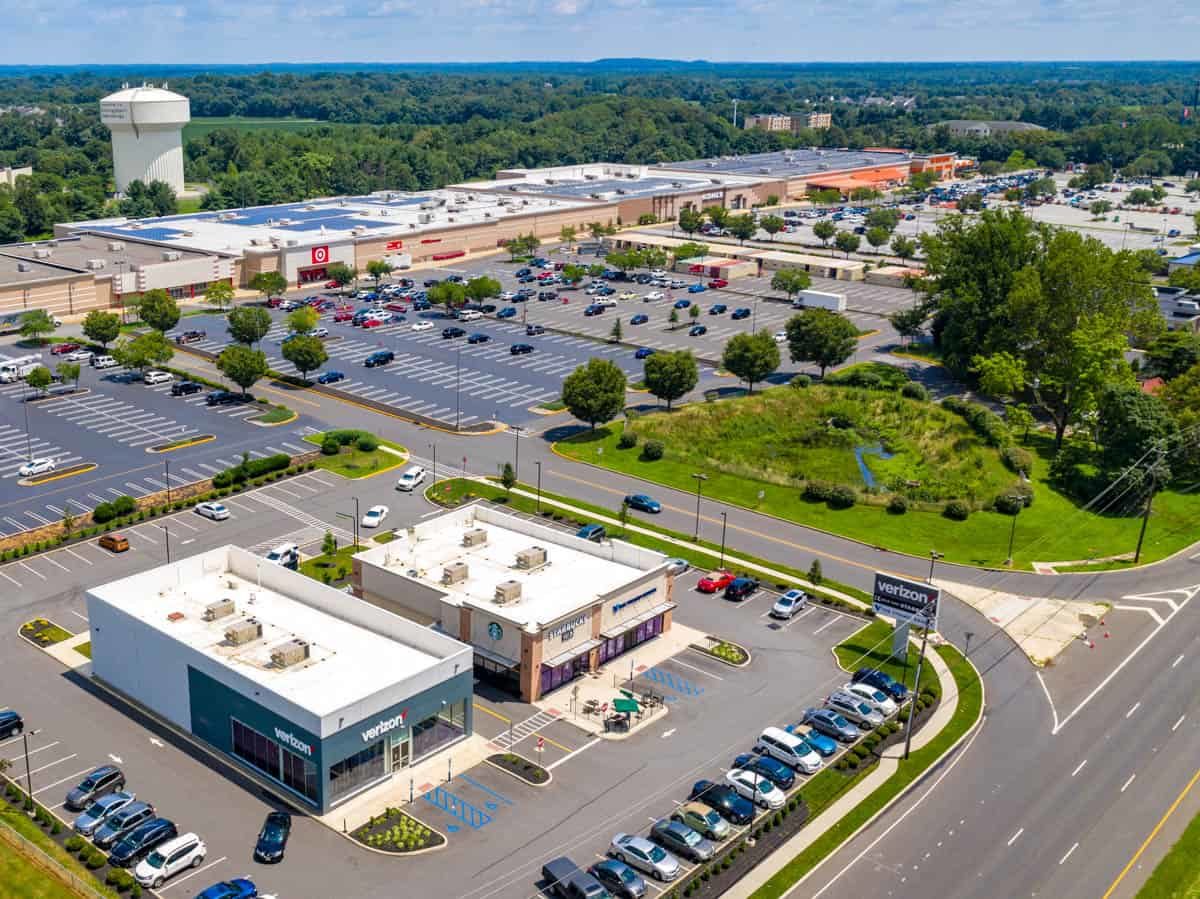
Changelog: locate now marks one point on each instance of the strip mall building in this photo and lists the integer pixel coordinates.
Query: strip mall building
(99, 264)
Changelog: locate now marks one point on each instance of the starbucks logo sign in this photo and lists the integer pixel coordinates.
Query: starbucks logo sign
(495, 631)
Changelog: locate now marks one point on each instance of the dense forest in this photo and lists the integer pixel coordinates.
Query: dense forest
(418, 127)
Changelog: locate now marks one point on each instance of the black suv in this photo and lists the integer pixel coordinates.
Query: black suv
(105, 779)
(379, 357)
(141, 841)
(184, 388)
(450, 333)
(220, 398)
(10, 723)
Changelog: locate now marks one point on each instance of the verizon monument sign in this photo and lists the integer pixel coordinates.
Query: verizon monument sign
(909, 602)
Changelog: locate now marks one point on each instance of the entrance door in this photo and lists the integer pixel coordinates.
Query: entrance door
(400, 755)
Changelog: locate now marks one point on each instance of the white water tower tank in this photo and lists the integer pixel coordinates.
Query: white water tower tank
(147, 135)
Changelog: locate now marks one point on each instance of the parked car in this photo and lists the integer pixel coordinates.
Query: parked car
(640, 319)
(507, 312)
(677, 566)
(565, 879)
(755, 787)
(35, 467)
(741, 588)
(412, 478)
(702, 819)
(644, 352)
(100, 811)
(343, 315)
(173, 856)
(831, 724)
(773, 770)
(789, 604)
(61, 349)
(724, 800)
(884, 682)
(697, 330)
(453, 332)
(136, 844)
(104, 362)
(286, 554)
(10, 723)
(379, 357)
(643, 503)
(212, 510)
(157, 377)
(718, 283)
(272, 839)
(714, 581)
(640, 853)
(241, 888)
(873, 697)
(330, 377)
(520, 349)
(220, 398)
(374, 516)
(190, 336)
(854, 708)
(80, 356)
(654, 295)
(682, 304)
(788, 749)
(678, 838)
(186, 388)
(619, 879)
(697, 288)
(118, 824)
(593, 309)
(717, 309)
(479, 337)
(594, 532)
(817, 741)
(114, 543)
(740, 313)
(105, 779)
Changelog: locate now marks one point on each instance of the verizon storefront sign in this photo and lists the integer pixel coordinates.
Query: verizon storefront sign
(909, 602)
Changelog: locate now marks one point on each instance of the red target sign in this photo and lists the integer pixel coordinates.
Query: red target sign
(320, 255)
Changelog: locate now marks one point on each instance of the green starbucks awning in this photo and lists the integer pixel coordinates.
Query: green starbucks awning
(626, 706)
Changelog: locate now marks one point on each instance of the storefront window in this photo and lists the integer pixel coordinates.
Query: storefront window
(555, 677)
(438, 730)
(277, 762)
(358, 770)
(502, 676)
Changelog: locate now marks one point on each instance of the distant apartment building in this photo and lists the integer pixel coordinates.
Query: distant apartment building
(10, 174)
(769, 121)
(980, 128)
(818, 121)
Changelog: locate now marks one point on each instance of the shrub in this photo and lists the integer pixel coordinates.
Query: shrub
(103, 513)
(842, 497)
(135, 891)
(55, 827)
(801, 381)
(818, 491)
(73, 844)
(983, 421)
(367, 443)
(1008, 503)
(957, 510)
(124, 505)
(898, 504)
(851, 762)
(725, 863)
(329, 447)
(652, 450)
(1017, 459)
(627, 440)
(914, 391)
(94, 860)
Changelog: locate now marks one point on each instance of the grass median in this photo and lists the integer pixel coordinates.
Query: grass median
(361, 456)
(1177, 876)
(702, 554)
(970, 702)
(23, 879)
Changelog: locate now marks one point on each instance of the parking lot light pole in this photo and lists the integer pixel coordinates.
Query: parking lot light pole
(25, 735)
(934, 555)
(517, 431)
(354, 520)
(724, 522)
(1012, 533)
(168, 541)
(167, 478)
(700, 479)
(458, 390)
(28, 436)
(538, 463)
(433, 446)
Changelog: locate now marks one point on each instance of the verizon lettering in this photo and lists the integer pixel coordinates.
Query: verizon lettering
(292, 740)
(900, 591)
(387, 724)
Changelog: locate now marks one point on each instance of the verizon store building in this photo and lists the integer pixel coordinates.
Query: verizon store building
(318, 693)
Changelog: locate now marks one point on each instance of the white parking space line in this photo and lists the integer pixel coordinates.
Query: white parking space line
(829, 623)
(191, 874)
(1132, 778)
(62, 780)
(31, 571)
(47, 746)
(1068, 855)
(694, 668)
(79, 557)
(65, 758)
(48, 558)
(1175, 726)
(11, 580)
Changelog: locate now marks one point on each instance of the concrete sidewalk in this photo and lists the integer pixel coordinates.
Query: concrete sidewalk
(888, 765)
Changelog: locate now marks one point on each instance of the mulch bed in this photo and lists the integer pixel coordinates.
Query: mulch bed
(520, 767)
(396, 831)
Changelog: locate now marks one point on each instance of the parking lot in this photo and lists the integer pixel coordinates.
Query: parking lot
(112, 422)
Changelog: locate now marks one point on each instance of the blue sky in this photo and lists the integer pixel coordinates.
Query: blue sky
(67, 32)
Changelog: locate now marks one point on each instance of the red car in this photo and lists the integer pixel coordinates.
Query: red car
(332, 285)
(274, 302)
(396, 307)
(715, 581)
(343, 315)
(315, 301)
(696, 269)
(60, 349)
(372, 322)
(718, 283)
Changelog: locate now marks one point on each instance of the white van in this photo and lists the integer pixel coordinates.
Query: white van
(789, 749)
(104, 362)
(286, 554)
(411, 479)
(470, 315)
(157, 377)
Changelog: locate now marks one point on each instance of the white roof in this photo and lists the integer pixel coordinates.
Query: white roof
(348, 661)
(577, 572)
(144, 94)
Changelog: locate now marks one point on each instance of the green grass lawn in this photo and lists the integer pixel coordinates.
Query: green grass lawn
(873, 646)
(85, 649)
(275, 415)
(352, 462)
(188, 205)
(1177, 876)
(26, 827)
(757, 445)
(23, 879)
(319, 566)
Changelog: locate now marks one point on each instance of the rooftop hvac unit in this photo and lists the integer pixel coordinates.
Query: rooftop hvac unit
(590, 177)
(284, 221)
(534, 557)
(115, 246)
(622, 190)
(95, 264)
(24, 267)
(243, 632)
(514, 187)
(764, 171)
(289, 653)
(358, 232)
(455, 573)
(550, 181)
(219, 609)
(188, 234)
(257, 241)
(171, 255)
(677, 184)
(424, 218)
(487, 215)
(475, 537)
(524, 202)
(310, 208)
(41, 253)
(426, 205)
(507, 591)
(291, 242)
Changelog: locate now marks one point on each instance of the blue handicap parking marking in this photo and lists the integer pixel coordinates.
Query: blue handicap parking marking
(672, 681)
(473, 782)
(457, 807)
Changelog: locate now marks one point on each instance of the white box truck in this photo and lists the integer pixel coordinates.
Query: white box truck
(820, 299)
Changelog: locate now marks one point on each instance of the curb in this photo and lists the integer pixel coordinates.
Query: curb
(487, 760)
(83, 468)
(187, 444)
(700, 649)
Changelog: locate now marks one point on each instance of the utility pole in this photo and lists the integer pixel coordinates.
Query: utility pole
(912, 703)
(167, 478)
(433, 446)
(724, 522)
(538, 463)
(1137, 554)
(1012, 533)
(517, 429)
(934, 555)
(700, 479)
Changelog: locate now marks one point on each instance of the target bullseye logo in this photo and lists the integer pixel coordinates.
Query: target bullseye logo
(320, 255)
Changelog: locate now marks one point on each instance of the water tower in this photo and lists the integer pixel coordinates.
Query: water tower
(147, 134)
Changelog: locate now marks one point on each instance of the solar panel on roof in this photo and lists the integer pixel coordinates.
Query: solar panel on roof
(146, 233)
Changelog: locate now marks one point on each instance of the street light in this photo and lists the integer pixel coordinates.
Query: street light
(916, 685)
(538, 463)
(354, 519)
(28, 436)
(25, 735)
(724, 522)
(168, 539)
(167, 478)
(1012, 533)
(433, 446)
(934, 555)
(458, 390)
(517, 430)
(700, 479)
